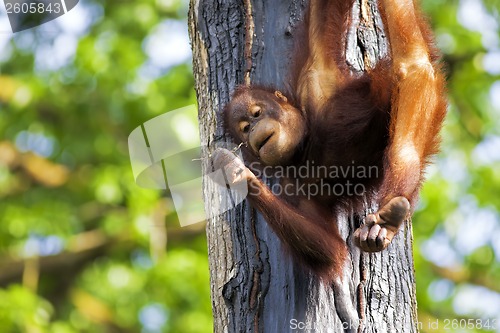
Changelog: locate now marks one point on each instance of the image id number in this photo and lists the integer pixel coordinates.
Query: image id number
(33, 8)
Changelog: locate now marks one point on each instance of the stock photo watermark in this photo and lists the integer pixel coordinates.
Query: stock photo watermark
(27, 14)
(452, 325)
(166, 153)
(334, 180)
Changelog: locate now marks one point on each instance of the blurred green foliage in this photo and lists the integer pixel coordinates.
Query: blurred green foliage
(457, 226)
(77, 252)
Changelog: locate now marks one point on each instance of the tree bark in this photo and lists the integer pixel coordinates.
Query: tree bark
(255, 286)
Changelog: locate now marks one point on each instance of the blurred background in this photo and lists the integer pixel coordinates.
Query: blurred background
(84, 249)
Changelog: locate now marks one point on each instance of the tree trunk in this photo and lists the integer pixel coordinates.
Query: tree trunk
(255, 286)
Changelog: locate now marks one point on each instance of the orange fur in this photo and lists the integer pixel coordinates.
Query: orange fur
(389, 118)
(411, 80)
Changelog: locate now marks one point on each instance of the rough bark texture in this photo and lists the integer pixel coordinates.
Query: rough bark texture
(255, 286)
